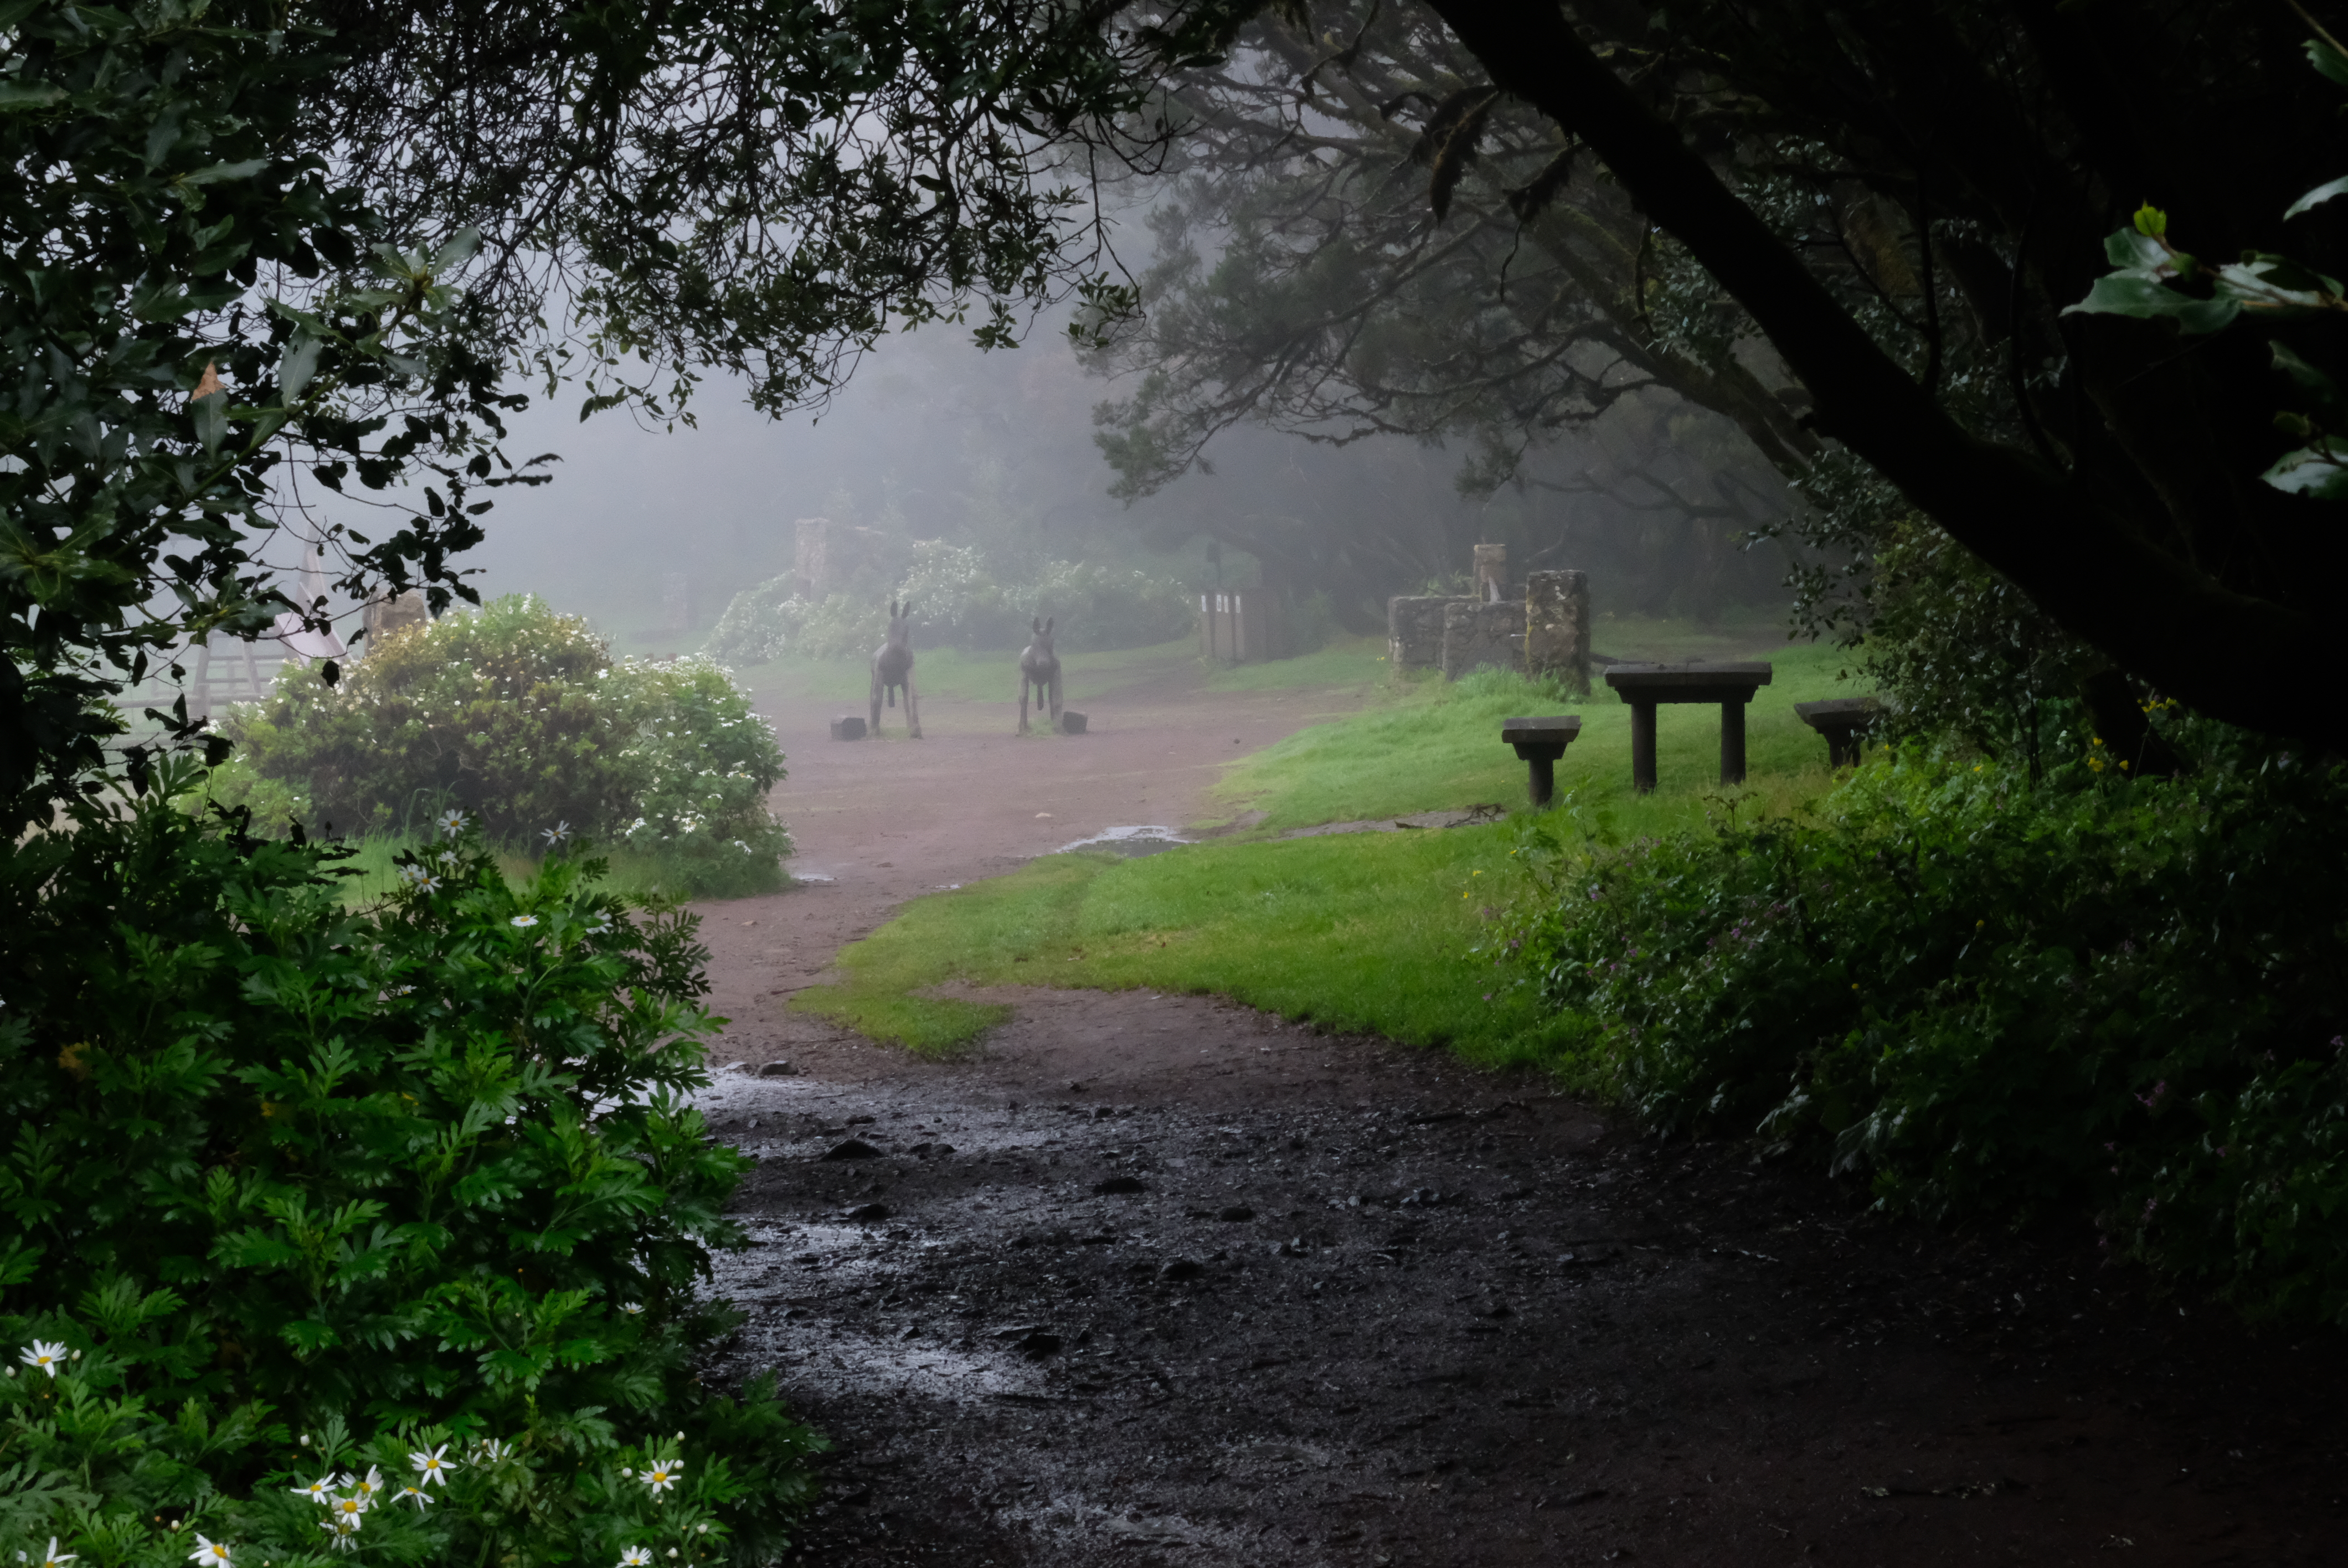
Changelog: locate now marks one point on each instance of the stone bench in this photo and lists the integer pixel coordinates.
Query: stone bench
(1844, 722)
(1644, 686)
(1540, 741)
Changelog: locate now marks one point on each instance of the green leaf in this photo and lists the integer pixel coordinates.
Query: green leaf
(2318, 196)
(2309, 471)
(2326, 390)
(2127, 248)
(300, 363)
(459, 250)
(211, 420)
(224, 171)
(2328, 60)
(2131, 294)
(29, 95)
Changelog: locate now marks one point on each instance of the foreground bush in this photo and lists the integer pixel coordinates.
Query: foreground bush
(2125, 1000)
(518, 717)
(293, 1192)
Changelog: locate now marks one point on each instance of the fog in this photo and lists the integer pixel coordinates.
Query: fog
(934, 438)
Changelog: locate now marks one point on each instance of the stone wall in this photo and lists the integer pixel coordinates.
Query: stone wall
(1414, 629)
(1478, 635)
(1557, 626)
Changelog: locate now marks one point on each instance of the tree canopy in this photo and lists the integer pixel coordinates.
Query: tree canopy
(253, 261)
(1903, 200)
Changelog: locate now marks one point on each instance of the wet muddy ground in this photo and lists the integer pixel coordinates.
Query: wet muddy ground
(1160, 1280)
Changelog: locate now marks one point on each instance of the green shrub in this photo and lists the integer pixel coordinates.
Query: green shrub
(2096, 995)
(518, 717)
(389, 1179)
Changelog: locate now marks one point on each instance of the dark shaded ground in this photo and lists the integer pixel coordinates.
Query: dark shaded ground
(1463, 1323)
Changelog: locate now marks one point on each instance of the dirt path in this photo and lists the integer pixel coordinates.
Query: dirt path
(1160, 1280)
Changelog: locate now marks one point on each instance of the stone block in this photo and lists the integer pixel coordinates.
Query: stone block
(1557, 626)
(1482, 635)
(1491, 564)
(1071, 721)
(847, 728)
(1414, 629)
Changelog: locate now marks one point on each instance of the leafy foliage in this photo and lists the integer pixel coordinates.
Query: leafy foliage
(420, 1174)
(195, 300)
(518, 716)
(2102, 995)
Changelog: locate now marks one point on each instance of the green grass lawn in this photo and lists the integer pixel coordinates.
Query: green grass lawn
(1371, 931)
(1434, 745)
(1374, 931)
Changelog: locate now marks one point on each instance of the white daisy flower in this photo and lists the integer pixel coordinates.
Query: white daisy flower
(634, 1557)
(345, 1529)
(663, 1474)
(633, 1308)
(44, 1357)
(416, 1495)
(320, 1492)
(211, 1553)
(523, 921)
(53, 1558)
(557, 835)
(432, 1465)
(452, 822)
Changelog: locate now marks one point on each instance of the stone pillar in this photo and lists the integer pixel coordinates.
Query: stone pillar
(1557, 628)
(1492, 573)
(382, 616)
(1414, 629)
(1480, 636)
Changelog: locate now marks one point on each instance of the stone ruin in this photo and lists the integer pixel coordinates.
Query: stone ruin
(829, 554)
(1546, 631)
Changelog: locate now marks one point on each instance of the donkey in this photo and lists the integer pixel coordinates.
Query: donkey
(893, 666)
(1039, 667)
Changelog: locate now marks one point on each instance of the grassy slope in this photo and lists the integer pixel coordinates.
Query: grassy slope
(1367, 931)
(1436, 746)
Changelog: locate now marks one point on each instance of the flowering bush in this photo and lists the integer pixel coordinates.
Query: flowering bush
(2116, 999)
(518, 717)
(301, 1191)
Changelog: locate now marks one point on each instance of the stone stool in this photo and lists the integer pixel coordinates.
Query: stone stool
(1642, 686)
(1540, 741)
(1844, 722)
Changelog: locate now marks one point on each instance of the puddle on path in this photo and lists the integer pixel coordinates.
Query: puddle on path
(1133, 843)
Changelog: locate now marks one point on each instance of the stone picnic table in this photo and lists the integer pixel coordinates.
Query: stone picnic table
(1644, 686)
(1540, 741)
(1844, 722)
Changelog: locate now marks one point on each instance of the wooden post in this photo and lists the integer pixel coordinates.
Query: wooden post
(1642, 747)
(1732, 743)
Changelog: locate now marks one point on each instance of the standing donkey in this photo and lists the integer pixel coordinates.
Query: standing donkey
(893, 666)
(1039, 667)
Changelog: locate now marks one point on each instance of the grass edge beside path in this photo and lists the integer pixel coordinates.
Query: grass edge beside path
(1371, 932)
(1391, 933)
